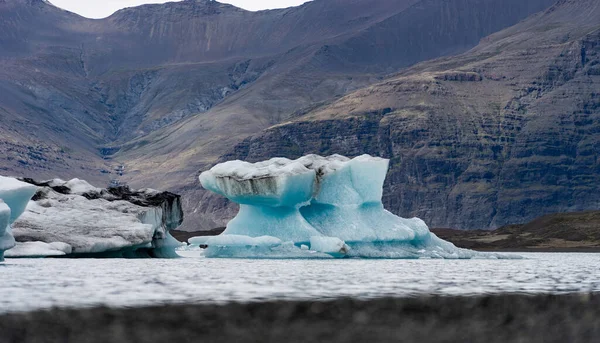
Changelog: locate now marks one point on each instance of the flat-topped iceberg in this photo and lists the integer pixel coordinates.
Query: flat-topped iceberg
(321, 206)
(14, 196)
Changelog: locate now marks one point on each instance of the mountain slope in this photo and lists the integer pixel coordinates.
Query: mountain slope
(72, 88)
(499, 135)
(300, 79)
(165, 90)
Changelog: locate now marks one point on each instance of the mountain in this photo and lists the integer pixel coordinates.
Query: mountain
(167, 90)
(501, 134)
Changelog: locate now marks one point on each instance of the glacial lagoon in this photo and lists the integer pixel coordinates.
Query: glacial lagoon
(30, 284)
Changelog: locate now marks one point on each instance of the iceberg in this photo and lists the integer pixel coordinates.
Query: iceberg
(14, 196)
(76, 219)
(332, 205)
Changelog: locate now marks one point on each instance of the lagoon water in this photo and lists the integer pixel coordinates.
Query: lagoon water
(30, 284)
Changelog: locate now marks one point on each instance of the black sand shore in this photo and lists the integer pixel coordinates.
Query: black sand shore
(489, 319)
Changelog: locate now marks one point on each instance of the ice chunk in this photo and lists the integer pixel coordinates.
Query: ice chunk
(89, 226)
(16, 195)
(39, 249)
(332, 202)
(329, 245)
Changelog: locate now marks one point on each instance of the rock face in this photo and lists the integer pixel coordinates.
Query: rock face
(185, 81)
(75, 218)
(499, 135)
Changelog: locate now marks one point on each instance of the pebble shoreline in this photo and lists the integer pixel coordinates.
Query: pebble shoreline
(490, 319)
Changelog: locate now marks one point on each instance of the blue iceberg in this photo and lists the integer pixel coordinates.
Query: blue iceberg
(321, 207)
(14, 197)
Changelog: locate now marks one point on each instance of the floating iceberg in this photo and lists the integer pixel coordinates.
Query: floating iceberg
(332, 205)
(14, 196)
(75, 218)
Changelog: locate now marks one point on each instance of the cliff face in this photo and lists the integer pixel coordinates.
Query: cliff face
(498, 135)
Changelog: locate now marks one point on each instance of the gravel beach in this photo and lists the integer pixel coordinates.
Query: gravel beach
(502, 318)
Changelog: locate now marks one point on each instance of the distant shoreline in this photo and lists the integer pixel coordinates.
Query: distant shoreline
(477, 240)
(594, 250)
(490, 319)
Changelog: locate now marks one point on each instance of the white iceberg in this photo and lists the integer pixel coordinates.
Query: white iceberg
(14, 196)
(75, 218)
(330, 204)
